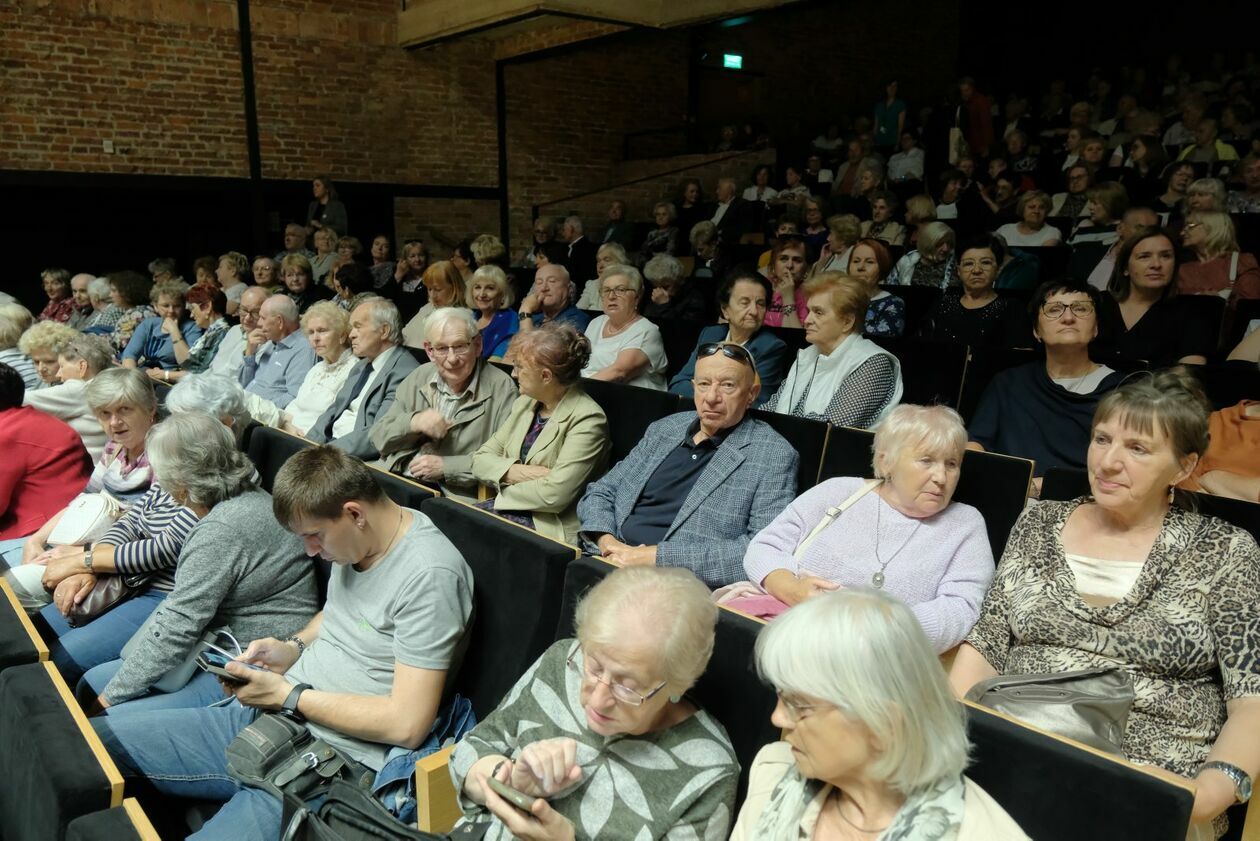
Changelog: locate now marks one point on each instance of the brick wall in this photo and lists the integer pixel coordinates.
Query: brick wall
(442, 223)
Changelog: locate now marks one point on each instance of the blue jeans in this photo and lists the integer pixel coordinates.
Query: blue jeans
(11, 552)
(183, 753)
(203, 690)
(76, 650)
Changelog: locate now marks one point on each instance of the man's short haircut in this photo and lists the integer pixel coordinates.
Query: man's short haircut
(574, 222)
(160, 265)
(12, 388)
(98, 289)
(317, 482)
(283, 306)
(384, 313)
(437, 320)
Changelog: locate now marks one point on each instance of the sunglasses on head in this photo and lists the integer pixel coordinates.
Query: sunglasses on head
(728, 349)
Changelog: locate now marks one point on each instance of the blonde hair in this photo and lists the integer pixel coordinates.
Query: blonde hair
(487, 248)
(848, 295)
(336, 318)
(933, 234)
(1221, 238)
(175, 289)
(498, 277)
(938, 429)
(49, 336)
(846, 226)
(921, 208)
(14, 320)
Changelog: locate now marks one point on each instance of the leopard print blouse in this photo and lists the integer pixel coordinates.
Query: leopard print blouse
(1188, 632)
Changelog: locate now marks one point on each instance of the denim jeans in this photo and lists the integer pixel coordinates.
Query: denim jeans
(203, 690)
(11, 552)
(76, 650)
(183, 753)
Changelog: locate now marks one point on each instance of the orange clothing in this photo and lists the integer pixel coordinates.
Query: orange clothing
(1234, 447)
(1212, 277)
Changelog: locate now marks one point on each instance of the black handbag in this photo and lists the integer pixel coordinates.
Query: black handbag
(351, 813)
(279, 754)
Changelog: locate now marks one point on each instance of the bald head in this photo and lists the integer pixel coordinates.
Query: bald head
(79, 289)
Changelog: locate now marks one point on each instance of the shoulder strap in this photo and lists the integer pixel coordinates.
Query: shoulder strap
(1233, 268)
(867, 486)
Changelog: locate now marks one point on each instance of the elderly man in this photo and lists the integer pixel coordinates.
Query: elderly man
(277, 354)
(580, 258)
(731, 214)
(696, 488)
(446, 408)
(550, 300)
(230, 356)
(619, 230)
(294, 242)
(162, 268)
(375, 337)
(82, 301)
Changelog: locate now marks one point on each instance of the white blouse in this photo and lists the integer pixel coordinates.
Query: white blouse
(317, 392)
(641, 335)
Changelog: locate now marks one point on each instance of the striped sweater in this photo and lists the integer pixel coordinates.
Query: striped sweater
(149, 536)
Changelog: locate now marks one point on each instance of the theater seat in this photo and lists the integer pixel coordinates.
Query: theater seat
(269, 449)
(127, 822)
(1063, 483)
(20, 643)
(931, 372)
(630, 410)
(809, 439)
(54, 766)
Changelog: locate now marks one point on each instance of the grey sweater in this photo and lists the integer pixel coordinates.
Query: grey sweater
(238, 568)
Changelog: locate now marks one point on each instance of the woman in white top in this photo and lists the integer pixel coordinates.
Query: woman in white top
(609, 254)
(327, 328)
(841, 377)
(842, 231)
(1031, 231)
(625, 346)
(325, 255)
(760, 190)
(79, 360)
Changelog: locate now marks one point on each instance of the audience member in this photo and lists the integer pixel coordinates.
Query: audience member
(383, 268)
(881, 226)
(162, 268)
(294, 243)
(230, 355)
(131, 293)
(978, 316)
(846, 177)
(663, 239)
(369, 388)
(1133, 219)
(325, 255)
(839, 664)
(61, 304)
(931, 263)
(83, 308)
(920, 210)
(1218, 268)
(554, 442)
(906, 165)
(15, 320)
(842, 232)
(351, 284)
(814, 230)
(579, 258)
(644, 637)
(1205, 194)
(870, 263)
(788, 267)
(152, 344)
(232, 275)
(277, 354)
(1141, 174)
(409, 275)
(327, 329)
(673, 296)
(1031, 230)
(349, 248)
(487, 250)
(1171, 203)
(1174, 590)
(625, 346)
(326, 212)
(609, 254)
(618, 229)
(795, 191)
(760, 189)
(105, 313)
(1208, 148)
(299, 282)
(444, 287)
(1246, 200)
(445, 409)
(691, 208)
(491, 296)
(393, 572)
(78, 361)
(731, 214)
(207, 306)
(1071, 204)
(696, 488)
(543, 233)
(551, 300)
(711, 256)
(266, 273)
(41, 344)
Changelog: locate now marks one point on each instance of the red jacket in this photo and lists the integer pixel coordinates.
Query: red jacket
(43, 466)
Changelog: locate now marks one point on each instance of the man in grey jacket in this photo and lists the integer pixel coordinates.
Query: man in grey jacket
(375, 337)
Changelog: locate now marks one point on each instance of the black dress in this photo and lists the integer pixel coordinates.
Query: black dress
(1165, 334)
(996, 324)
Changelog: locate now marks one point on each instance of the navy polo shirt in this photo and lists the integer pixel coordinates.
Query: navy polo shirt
(667, 488)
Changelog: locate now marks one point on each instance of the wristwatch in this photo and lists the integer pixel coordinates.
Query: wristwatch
(290, 704)
(87, 559)
(1240, 778)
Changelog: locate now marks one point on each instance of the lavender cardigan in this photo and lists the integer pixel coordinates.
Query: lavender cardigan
(942, 573)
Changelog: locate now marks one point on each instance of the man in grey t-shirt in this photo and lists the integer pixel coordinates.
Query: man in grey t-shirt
(367, 673)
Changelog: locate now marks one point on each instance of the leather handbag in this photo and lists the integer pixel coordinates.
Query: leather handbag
(1090, 706)
(279, 754)
(85, 520)
(349, 813)
(110, 591)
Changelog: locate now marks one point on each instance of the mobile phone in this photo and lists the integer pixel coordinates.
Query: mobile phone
(521, 801)
(216, 664)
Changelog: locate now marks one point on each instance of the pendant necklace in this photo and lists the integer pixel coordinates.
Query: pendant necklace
(877, 580)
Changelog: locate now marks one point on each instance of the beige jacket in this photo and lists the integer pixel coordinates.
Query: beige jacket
(474, 422)
(983, 818)
(574, 444)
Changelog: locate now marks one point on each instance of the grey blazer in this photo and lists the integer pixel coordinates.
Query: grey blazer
(379, 397)
(749, 481)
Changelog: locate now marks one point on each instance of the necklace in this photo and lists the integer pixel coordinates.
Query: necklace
(877, 580)
(609, 330)
(851, 823)
(392, 538)
(1072, 385)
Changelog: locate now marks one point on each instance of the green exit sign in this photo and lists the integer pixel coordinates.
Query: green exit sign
(733, 61)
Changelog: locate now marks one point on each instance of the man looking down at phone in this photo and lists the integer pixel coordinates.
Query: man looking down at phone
(366, 673)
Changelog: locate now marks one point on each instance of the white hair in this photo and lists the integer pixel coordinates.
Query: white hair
(121, 385)
(98, 289)
(664, 267)
(939, 430)
(195, 452)
(217, 395)
(574, 222)
(384, 313)
(864, 652)
(283, 306)
(630, 273)
(442, 316)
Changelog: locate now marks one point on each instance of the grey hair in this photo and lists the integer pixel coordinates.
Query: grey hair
(668, 603)
(98, 289)
(938, 430)
(217, 395)
(162, 264)
(630, 273)
(669, 209)
(616, 249)
(1213, 187)
(94, 350)
(283, 306)
(664, 267)
(194, 452)
(932, 235)
(121, 385)
(865, 653)
(574, 222)
(442, 316)
(384, 313)
(14, 319)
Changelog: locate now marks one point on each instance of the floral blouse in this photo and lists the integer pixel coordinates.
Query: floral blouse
(886, 316)
(126, 325)
(1188, 632)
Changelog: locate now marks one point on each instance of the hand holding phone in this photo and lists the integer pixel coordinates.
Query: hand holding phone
(521, 801)
(216, 664)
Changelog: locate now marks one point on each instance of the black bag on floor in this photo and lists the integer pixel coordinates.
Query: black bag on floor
(349, 813)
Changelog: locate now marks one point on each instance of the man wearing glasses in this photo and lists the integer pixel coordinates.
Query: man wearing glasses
(230, 356)
(698, 486)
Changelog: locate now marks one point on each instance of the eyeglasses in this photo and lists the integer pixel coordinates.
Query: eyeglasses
(1054, 310)
(624, 694)
(615, 291)
(443, 351)
(1190, 226)
(795, 709)
(984, 262)
(728, 349)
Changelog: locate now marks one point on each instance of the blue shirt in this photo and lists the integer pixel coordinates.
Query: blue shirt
(275, 372)
(151, 348)
(498, 333)
(572, 315)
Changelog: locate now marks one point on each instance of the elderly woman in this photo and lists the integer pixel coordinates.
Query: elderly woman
(105, 313)
(663, 239)
(1031, 231)
(625, 346)
(349, 248)
(152, 345)
(977, 317)
(760, 190)
(15, 320)
(208, 307)
(1206, 194)
(60, 301)
(487, 250)
(742, 300)
(266, 273)
(232, 274)
(325, 254)
(873, 743)
(931, 263)
(920, 210)
(327, 327)
(543, 232)
(1139, 317)
(413, 260)
(870, 262)
(618, 691)
(78, 361)
(299, 285)
(841, 377)
(815, 229)
(382, 268)
(445, 287)
(1107, 204)
(1041, 411)
(608, 254)
(237, 568)
(842, 232)
(672, 295)
(445, 409)
(788, 267)
(554, 441)
(491, 296)
(1218, 268)
(941, 572)
(42, 343)
(881, 226)
(1127, 578)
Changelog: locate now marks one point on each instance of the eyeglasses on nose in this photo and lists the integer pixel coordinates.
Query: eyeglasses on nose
(1055, 310)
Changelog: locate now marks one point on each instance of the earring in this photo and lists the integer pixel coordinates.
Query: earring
(1172, 494)
(674, 699)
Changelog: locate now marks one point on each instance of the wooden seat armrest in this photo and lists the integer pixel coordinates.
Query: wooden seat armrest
(437, 806)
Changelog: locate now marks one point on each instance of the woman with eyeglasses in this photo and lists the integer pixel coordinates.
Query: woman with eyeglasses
(978, 316)
(1042, 411)
(874, 744)
(625, 346)
(553, 443)
(601, 731)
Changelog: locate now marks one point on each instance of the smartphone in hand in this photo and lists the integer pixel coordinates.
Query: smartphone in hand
(521, 801)
(216, 664)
